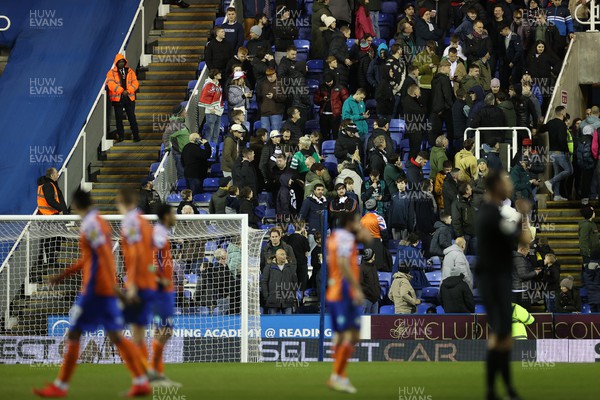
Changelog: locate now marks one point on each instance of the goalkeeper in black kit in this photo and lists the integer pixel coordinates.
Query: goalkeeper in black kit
(498, 230)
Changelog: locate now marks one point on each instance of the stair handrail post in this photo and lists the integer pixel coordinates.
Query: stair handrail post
(477, 143)
(7, 27)
(594, 10)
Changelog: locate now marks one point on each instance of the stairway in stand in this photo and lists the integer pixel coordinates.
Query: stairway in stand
(176, 51)
(559, 223)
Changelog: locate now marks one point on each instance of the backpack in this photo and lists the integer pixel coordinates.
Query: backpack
(585, 158)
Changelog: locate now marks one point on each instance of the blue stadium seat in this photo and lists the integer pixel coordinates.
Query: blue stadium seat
(472, 260)
(371, 104)
(181, 184)
(265, 198)
(436, 263)
(220, 149)
(313, 85)
(303, 46)
(312, 125)
(479, 309)
(389, 7)
(330, 158)
(397, 126)
(211, 184)
(315, 66)
(477, 296)
(423, 307)
(392, 41)
(310, 292)
(309, 7)
(174, 198)
(202, 197)
(430, 294)
(328, 147)
(386, 20)
(331, 168)
(216, 171)
(586, 309)
(440, 310)
(404, 146)
(210, 246)
(434, 277)
(162, 150)
(257, 125)
(219, 21)
(397, 139)
(270, 213)
(190, 88)
(385, 31)
(203, 211)
(387, 310)
(385, 277)
(184, 104)
(154, 168)
(378, 42)
(201, 66)
(350, 42)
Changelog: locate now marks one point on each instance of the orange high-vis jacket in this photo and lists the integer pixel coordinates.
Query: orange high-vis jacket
(113, 81)
(43, 207)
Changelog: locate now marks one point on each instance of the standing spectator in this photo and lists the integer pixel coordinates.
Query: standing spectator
(233, 30)
(338, 48)
(240, 59)
(317, 174)
(374, 189)
(478, 45)
(403, 295)
(122, 85)
(409, 16)
(414, 170)
(362, 20)
(559, 151)
(384, 94)
(275, 242)
(348, 145)
(399, 210)
(374, 9)
(426, 29)
(260, 65)
(478, 184)
(299, 243)
(247, 204)
(369, 281)
(514, 54)
(244, 173)
(450, 189)
(256, 44)
(148, 198)
(376, 66)
(285, 32)
(176, 136)
(211, 99)
(406, 39)
(442, 98)
(330, 98)
(298, 162)
(252, 11)
(414, 117)
(341, 203)
(443, 235)
(568, 300)
(457, 68)
(271, 99)
(231, 148)
(523, 276)
(455, 263)
(342, 11)
(269, 154)
(427, 61)
(586, 161)
(187, 199)
(294, 123)
(588, 234)
(392, 172)
(463, 216)
(286, 201)
(396, 70)
(466, 162)
(438, 183)
(377, 157)
(320, 11)
(218, 201)
(591, 280)
(354, 109)
(489, 116)
(232, 203)
(438, 155)
(472, 79)
(423, 212)
(544, 67)
(456, 295)
(558, 14)
(238, 93)
(312, 210)
(218, 51)
(551, 280)
(278, 284)
(341, 74)
(194, 158)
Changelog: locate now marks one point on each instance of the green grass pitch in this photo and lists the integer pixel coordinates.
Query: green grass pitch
(288, 381)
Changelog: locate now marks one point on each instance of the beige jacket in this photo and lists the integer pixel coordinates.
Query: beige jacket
(403, 295)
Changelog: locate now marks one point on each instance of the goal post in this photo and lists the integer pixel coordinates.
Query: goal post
(217, 281)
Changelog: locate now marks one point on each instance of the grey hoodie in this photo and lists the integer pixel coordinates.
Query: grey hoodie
(455, 263)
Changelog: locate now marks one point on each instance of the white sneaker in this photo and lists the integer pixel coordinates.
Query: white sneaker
(549, 186)
(346, 386)
(559, 198)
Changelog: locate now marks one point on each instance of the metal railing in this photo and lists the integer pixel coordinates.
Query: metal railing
(594, 20)
(559, 79)
(7, 27)
(513, 146)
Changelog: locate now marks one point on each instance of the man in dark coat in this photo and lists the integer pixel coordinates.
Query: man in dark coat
(523, 277)
(244, 174)
(148, 198)
(348, 145)
(415, 118)
(489, 116)
(194, 158)
(369, 281)
(218, 51)
(442, 98)
(456, 296)
(450, 189)
(278, 284)
(414, 170)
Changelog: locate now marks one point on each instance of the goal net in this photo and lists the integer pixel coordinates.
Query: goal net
(216, 279)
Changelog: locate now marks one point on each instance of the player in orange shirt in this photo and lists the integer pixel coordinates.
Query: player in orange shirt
(97, 304)
(164, 306)
(344, 295)
(138, 255)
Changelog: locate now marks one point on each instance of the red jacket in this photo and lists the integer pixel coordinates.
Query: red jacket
(212, 96)
(113, 81)
(337, 96)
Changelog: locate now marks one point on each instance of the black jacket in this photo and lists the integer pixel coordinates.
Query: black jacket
(414, 114)
(456, 296)
(338, 48)
(449, 192)
(442, 95)
(522, 272)
(557, 135)
(277, 286)
(345, 146)
(489, 116)
(569, 302)
(190, 203)
(463, 217)
(244, 174)
(247, 207)
(48, 189)
(414, 175)
(149, 201)
(285, 32)
(476, 47)
(369, 281)
(217, 54)
(195, 160)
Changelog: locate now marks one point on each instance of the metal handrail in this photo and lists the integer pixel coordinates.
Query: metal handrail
(594, 10)
(550, 111)
(514, 129)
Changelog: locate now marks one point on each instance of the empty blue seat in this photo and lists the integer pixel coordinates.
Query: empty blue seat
(162, 150)
(350, 42)
(220, 149)
(389, 7)
(216, 171)
(385, 277)
(330, 158)
(397, 125)
(312, 125)
(203, 211)
(397, 139)
(202, 197)
(174, 198)
(439, 310)
(430, 294)
(479, 309)
(378, 42)
(154, 168)
(190, 88)
(434, 277)
(387, 310)
(315, 66)
(219, 21)
(303, 46)
(385, 31)
(265, 198)
(181, 184)
(270, 213)
(386, 20)
(211, 184)
(257, 125)
(213, 151)
(312, 84)
(328, 147)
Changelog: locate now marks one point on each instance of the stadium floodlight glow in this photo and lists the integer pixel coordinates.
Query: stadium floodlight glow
(217, 317)
(7, 27)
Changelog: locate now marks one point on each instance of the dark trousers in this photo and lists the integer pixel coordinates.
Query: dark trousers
(414, 142)
(437, 121)
(194, 184)
(330, 126)
(126, 106)
(586, 182)
(302, 274)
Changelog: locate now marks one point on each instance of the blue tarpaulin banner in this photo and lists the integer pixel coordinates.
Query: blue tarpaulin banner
(61, 51)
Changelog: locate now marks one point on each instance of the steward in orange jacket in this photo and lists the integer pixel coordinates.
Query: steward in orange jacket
(121, 79)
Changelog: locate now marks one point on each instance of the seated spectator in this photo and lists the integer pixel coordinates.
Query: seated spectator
(591, 280)
(317, 174)
(399, 210)
(438, 183)
(568, 300)
(187, 210)
(456, 295)
(375, 224)
(194, 159)
(278, 284)
(438, 156)
(275, 243)
(369, 282)
(463, 216)
(232, 203)
(466, 162)
(455, 263)
(443, 235)
(520, 318)
(403, 295)
(187, 199)
(414, 171)
(348, 145)
(450, 189)
(218, 201)
(298, 162)
(247, 205)
(149, 200)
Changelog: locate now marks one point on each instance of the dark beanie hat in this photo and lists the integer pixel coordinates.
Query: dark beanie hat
(587, 212)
